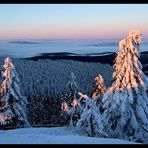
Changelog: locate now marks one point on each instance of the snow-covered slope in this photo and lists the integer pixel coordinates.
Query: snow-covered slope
(60, 135)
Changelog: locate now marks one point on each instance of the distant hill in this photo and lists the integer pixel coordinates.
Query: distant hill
(104, 58)
(23, 42)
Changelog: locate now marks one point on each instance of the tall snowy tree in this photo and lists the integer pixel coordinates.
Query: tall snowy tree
(13, 102)
(71, 90)
(126, 102)
(99, 90)
(69, 96)
(92, 122)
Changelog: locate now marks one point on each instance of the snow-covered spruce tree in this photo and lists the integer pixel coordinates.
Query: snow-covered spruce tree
(71, 90)
(11, 98)
(68, 97)
(92, 122)
(6, 116)
(126, 102)
(99, 90)
(73, 112)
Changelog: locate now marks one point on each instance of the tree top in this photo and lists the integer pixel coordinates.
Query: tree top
(136, 35)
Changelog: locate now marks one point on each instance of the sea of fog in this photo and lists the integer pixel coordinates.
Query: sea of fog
(29, 48)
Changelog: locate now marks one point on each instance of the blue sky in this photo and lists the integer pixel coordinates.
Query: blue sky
(71, 20)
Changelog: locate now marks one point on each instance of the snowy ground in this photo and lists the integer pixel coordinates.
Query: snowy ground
(58, 135)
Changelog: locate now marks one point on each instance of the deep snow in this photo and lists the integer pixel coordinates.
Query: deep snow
(58, 135)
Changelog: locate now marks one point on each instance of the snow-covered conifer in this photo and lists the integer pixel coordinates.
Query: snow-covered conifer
(13, 102)
(73, 112)
(99, 90)
(68, 98)
(126, 102)
(71, 89)
(92, 122)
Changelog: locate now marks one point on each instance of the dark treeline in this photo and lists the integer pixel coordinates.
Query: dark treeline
(104, 58)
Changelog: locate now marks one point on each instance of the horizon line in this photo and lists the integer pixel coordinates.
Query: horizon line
(60, 39)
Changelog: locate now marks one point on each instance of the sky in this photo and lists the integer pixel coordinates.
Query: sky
(71, 21)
